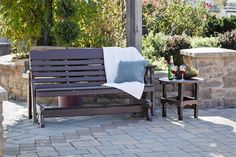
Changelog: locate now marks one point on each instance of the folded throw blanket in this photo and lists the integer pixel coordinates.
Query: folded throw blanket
(112, 58)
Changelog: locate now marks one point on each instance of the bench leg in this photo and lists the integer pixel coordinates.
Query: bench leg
(195, 111)
(34, 116)
(153, 103)
(41, 118)
(147, 109)
(29, 101)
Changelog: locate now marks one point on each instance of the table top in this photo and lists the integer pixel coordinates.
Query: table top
(179, 81)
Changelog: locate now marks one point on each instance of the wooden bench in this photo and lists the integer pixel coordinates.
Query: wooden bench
(70, 72)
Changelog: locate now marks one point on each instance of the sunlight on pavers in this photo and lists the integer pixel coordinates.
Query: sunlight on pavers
(219, 120)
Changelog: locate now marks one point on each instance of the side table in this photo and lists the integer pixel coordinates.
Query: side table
(181, 100)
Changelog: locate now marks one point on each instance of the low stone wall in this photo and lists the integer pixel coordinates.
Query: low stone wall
(3, 97)
(218, 67)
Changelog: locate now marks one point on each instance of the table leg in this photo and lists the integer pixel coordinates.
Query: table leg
(195, 110)
(180, 111)
(164, 110)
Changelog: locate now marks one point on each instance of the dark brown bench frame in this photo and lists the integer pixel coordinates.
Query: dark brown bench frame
(69, 72)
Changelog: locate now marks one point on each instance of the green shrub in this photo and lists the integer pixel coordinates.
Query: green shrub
(215, 25)
(228, 39)
(156, 46)
(153, 45)
(205, 42)
(175, 17)
(174, 45)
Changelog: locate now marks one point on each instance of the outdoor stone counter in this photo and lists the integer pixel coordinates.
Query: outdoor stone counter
(218, 67)
(3, 96)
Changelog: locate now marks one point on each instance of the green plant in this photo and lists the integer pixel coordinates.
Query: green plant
(175, 17)
(153, 45)
(228, 39)
(174, 45)
(22, 22)
(215, 25)
(66, 29)
(102, 23)
(205, 42)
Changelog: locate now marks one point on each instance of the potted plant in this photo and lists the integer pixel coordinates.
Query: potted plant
(66, 31)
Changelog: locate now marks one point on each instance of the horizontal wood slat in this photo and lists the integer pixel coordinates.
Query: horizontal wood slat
(73, 79)
(71, 85)
(66, 62)
(67, 68)
(85, 111)
(82, 73)
(66, 54)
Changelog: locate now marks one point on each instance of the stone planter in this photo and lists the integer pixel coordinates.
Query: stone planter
(218, 67)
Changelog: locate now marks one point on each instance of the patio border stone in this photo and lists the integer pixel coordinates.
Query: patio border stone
(3, 97)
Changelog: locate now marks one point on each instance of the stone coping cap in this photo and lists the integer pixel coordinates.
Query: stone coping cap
(208, 52)
(7, 60)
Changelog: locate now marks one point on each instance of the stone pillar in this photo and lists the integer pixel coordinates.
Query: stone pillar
(218, 67)
(134, 24)
(3, 96)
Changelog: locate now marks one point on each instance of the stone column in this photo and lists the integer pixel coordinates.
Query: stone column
(218, 67)
(3, 96)
(134, 24)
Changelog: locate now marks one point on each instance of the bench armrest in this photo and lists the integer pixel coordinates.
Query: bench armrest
(149, 75)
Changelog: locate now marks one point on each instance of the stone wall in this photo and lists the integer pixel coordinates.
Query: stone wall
(3, 96)
(218, 67)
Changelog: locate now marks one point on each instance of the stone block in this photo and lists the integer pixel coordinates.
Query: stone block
(205, 93)
(213, 82)
(230, 102)
(230, 61)
(229, 82)
(209, 61)
(217, 93)
(230, 92)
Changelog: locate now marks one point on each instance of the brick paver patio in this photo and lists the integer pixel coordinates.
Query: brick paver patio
(212, 135)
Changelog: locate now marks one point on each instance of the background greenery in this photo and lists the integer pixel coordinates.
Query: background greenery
(95, 23)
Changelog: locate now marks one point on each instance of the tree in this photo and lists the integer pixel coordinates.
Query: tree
(66, 29)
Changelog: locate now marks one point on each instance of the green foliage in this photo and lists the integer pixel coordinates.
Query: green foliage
(102, 23)
(66, 29)
(22, 22)
(153, 45)
(228, 39)
(205, 42)
(215, 25)
(178, 17)
(99, 23)
(156, 46)
(174, 45)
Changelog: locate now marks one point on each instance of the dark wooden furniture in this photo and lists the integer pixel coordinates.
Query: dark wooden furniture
(181, 100)
(69, 72)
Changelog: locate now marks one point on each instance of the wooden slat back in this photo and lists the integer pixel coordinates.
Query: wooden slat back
(67, 67)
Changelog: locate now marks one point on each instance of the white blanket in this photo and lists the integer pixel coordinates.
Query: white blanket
(112, 57)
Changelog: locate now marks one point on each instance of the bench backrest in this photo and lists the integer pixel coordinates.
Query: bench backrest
(60, 68)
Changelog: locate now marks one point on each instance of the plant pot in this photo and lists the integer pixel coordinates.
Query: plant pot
(70, 101)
